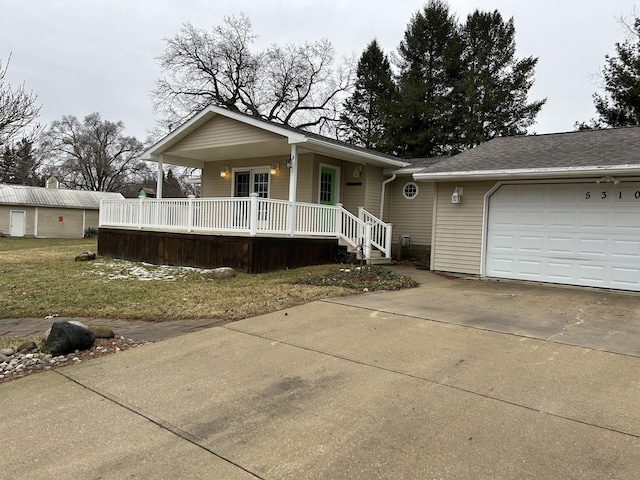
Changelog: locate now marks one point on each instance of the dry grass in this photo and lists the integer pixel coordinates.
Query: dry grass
(39, 277)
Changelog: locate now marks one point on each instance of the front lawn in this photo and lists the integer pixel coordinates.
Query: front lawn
(39, 277)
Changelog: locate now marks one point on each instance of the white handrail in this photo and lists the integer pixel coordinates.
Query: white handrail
(381, 232)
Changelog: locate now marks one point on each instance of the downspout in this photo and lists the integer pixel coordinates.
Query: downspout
(384, 187)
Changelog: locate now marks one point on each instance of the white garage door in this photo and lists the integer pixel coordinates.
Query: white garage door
(575, 234)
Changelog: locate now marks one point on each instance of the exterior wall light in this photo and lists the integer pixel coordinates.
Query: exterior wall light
(274, 169)
(224, 172)
(456, 197)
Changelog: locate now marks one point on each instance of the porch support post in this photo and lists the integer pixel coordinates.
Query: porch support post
(160, 175)
(338, 226)
(293, 188)
(253, 214)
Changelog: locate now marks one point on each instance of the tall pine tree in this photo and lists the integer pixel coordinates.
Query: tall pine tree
(495, 83)
(365, 115)
(430, 69)
(19, 165)
(620, 106)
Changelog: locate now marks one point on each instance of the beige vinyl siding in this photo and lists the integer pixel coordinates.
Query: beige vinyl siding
(457, 235)
(353, 188)
(221, 131)
(214, 186)
(411, 217)
(373, 188)
(305, 179)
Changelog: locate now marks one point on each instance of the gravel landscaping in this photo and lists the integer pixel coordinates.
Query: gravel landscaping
(15, 365)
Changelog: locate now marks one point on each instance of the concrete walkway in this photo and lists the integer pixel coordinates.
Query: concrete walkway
(342, 389)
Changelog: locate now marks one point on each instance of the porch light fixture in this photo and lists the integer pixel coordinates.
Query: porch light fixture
(457, 195)
(289, 162)
(224, 172)
(274, 169)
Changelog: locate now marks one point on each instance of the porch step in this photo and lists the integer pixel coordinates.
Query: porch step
(378, 259)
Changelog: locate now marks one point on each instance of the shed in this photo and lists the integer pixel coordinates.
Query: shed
(49, 212)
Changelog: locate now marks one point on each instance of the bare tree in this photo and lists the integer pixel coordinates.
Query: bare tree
(18, 109)
(298, 86)
(93, 154)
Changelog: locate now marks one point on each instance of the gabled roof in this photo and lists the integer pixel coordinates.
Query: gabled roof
(589, 152)
(50, 197)
(276, 140)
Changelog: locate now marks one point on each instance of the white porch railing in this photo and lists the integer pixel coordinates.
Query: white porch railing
(249, 216)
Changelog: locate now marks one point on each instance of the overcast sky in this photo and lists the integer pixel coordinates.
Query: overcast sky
(83, 56)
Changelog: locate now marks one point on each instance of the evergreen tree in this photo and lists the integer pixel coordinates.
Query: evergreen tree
(430, 70)
(19, 165)
(620, 106)
(495, 83)
(365, 115)
(171, 186)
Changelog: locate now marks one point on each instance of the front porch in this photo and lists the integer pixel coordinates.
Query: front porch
(252, 234)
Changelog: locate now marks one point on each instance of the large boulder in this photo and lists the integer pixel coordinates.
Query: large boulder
(102, 332)
(66, 338)
(220, 272)
(84, 256)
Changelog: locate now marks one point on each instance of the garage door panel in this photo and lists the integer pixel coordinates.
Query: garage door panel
(577, 234)
(504, 243)
(532, 219)
(561, 245)
(591, 220)
(628, 222)
(506, 219)
(625, 278)
(531, 244)
(626, 249)
(592, 247)
(560, 271)
(563, 219)
(592, 274)
(502, 266)
(533, 269)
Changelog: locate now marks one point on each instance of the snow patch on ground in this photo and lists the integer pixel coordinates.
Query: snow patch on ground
(125, 270)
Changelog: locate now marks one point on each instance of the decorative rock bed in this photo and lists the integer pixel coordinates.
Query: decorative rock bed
(19, 364)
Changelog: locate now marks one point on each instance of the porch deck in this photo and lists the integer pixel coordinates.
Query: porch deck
(250, 234)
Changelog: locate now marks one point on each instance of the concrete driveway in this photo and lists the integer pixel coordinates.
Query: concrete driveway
(364, 387)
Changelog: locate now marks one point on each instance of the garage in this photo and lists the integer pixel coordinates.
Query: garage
(585, 234)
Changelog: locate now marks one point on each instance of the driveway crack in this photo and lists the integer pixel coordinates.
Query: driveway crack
(579, 321)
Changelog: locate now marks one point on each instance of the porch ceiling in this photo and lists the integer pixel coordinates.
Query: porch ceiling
(198, 157)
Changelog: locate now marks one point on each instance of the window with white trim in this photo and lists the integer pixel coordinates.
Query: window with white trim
(410, 190)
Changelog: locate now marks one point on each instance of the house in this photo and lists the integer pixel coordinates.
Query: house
(49, 212)
(147, 192)
(560, 208)
(271, 197)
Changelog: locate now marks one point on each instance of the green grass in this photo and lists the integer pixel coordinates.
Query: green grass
(39, 277)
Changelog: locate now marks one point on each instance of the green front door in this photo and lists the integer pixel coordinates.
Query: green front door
(328, 185)
(328, 196)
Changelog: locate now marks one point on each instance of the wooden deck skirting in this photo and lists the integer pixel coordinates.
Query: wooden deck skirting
(246, 254)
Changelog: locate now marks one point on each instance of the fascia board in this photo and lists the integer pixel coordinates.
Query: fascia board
(529, 173)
